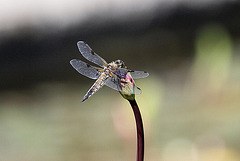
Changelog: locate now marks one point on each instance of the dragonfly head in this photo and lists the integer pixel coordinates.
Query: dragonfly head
(120, 64)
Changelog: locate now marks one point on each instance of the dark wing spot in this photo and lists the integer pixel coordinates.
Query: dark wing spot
(88, 65)
(97, 74)
(92, 52)
(138, 88)
(144, 71)
(131, 71)
(113, 80)
(124, 82)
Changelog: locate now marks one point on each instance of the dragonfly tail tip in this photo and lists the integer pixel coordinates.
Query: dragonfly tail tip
(84, 98)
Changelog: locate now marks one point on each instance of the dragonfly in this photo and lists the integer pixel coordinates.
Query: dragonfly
(115, 74)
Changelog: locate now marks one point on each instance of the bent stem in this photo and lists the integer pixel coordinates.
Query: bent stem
(140, 132)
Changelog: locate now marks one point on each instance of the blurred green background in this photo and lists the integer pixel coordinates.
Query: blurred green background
(190, 103)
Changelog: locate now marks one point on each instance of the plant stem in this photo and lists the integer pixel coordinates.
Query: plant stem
(140, 132)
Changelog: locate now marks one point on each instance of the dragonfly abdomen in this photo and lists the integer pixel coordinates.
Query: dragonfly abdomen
(96, 86)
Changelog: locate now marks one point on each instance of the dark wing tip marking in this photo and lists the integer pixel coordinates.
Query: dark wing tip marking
(140, 91)
(88, 65)
(146, 73)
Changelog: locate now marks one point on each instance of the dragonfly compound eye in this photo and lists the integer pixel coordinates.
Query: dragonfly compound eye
(120, 63)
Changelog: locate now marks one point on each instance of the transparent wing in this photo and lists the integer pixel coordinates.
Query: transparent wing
(120, 85)
(113, 82)
(138, 74)
(90, 55)
(85, 69)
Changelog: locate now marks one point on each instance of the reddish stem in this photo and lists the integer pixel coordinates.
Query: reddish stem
(140, 132)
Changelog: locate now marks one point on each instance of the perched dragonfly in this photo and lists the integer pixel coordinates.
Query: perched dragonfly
(114, 75)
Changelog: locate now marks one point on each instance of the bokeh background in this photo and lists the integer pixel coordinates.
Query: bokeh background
(190, 102)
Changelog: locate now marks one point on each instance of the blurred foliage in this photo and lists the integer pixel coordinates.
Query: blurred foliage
(213, 56)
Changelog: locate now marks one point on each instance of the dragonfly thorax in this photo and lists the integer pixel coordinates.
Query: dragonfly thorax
(107, 71)
(116, 64)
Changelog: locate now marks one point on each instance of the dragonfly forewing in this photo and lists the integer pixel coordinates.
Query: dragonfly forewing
(90, 55)
(85, 69)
